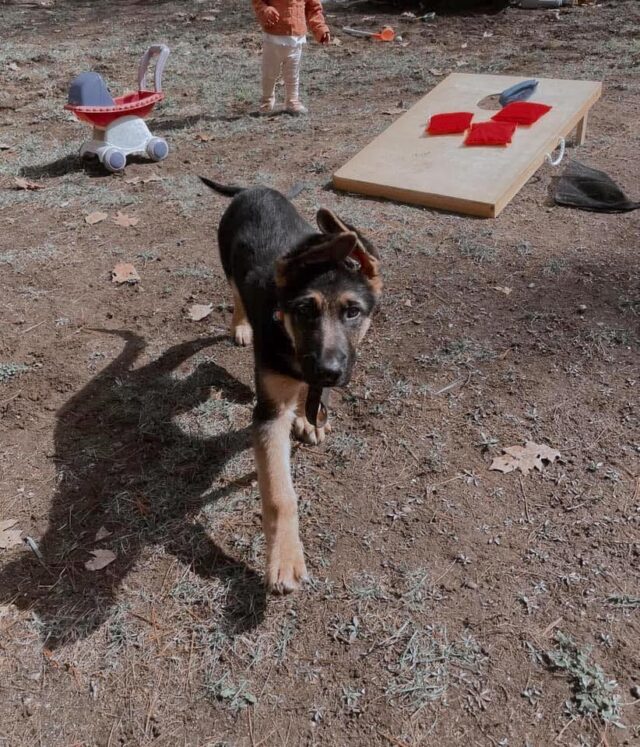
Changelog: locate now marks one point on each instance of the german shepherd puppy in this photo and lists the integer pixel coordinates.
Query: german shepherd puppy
(305, 299)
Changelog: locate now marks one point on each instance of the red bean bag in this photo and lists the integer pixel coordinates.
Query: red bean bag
(521, 112)
(449, 123)
(490, 133)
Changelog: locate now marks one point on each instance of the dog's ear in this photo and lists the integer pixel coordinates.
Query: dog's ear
(334, 249)
(363, 253)
(328, 222)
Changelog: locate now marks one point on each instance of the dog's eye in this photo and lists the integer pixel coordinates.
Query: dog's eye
(352, 312)
(307, 310)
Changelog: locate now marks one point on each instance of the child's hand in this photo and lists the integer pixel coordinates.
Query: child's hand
(271, 16)
(326, 38)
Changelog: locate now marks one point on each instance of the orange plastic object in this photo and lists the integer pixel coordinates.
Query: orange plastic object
(386, 35)
(139, 103)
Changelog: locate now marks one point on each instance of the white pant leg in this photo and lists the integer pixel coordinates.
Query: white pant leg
(291, 74)
(272, 57)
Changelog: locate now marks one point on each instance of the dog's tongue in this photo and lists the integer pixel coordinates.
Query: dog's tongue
(315, 408)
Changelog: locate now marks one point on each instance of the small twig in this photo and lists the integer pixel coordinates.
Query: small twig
(406, 446)
(68, 337)
(432, 487)
(526, 504)
(6, 401)
(193, 635)
(34, 326)
(564, 728)
(116, 723)
(391, 639)
(152, 702)
(588, 447)
(267, 679)
(286, 740)
(550, 627)
(442, 575)
(266, 739)
(391, 739)
(33, 546)
(249, 719)
(164, 580)
(457, 382)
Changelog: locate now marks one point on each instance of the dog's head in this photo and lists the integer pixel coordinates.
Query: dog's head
(328, 287)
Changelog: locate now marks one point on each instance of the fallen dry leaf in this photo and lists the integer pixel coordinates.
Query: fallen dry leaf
(124, 220)
(102, 533)
(96, 217)
(5, 146)
(101, 559)
(124, 272)
(525, 458)
(26, 184)
(9, 537)
(204, 137)
(503, 289)
(397, 110)
(199, 311)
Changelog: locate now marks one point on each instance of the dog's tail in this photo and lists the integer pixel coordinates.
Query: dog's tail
(224, 189)
(232, 190)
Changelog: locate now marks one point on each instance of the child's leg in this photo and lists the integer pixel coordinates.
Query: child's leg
(292, 80)
(271, 66)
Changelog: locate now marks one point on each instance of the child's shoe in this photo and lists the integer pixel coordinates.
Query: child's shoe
(295, 107)
(266, 106)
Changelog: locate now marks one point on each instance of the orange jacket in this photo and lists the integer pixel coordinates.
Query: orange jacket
(293, 17)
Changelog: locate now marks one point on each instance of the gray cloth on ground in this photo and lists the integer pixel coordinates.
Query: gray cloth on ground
(589, 189)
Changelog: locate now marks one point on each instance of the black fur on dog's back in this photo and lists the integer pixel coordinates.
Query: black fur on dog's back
(258, 227)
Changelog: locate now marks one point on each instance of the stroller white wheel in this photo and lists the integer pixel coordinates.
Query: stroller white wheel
(113, 159)
(157, 149)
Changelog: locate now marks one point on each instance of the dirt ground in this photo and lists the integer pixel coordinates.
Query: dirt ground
(450, 604)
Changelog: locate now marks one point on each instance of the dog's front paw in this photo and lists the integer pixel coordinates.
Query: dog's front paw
(286, 569)
(243, 334)
(307, 433)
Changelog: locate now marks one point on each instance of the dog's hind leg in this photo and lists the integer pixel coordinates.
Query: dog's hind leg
(302, 428)
(240, 328)
(277, 397)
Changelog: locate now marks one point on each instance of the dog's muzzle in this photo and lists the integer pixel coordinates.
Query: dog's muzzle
(330, 369)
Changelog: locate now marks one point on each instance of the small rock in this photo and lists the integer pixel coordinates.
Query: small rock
(470, 584)
(28, 705)
(582, 308)
(635, 691)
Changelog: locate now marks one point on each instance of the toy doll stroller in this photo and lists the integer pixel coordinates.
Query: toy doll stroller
(119, 129)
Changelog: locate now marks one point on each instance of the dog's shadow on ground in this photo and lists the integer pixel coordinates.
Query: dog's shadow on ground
(125, 466)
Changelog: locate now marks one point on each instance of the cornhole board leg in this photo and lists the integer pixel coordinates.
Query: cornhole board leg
(581, 130)
(407, 165)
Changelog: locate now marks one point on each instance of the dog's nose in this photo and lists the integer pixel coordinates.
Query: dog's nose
(330, 367)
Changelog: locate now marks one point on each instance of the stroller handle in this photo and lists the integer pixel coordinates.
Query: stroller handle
(156, 49)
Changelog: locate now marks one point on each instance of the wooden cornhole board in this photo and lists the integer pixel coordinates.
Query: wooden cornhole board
(405, 164)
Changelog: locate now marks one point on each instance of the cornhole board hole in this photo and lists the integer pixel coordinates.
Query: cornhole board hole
(407, 165)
